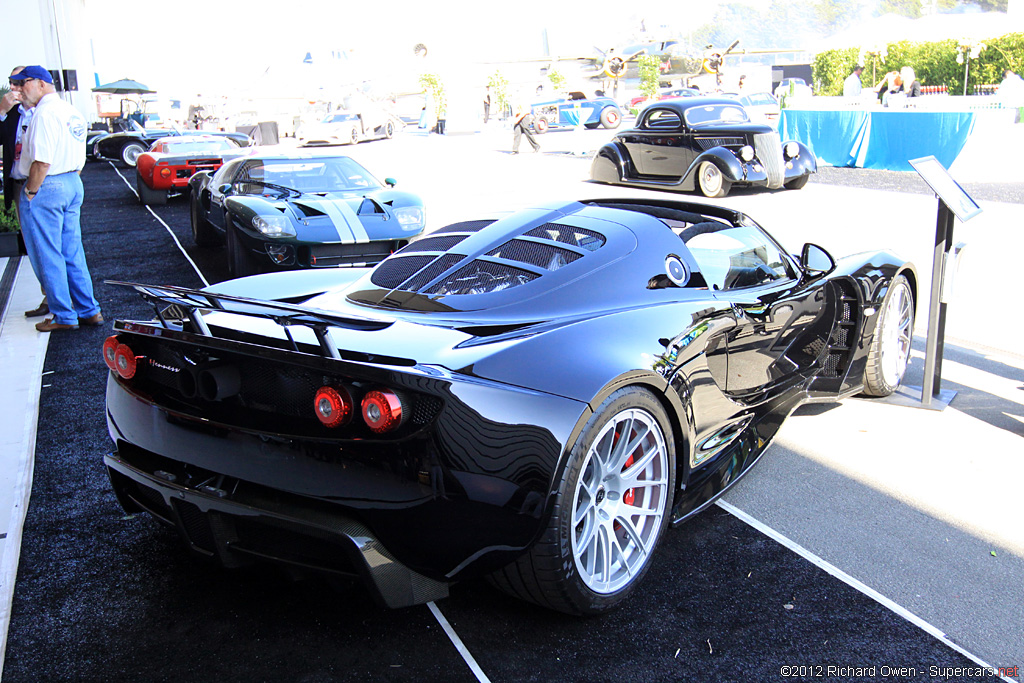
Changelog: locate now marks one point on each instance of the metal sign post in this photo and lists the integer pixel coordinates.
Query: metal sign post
(953, 202)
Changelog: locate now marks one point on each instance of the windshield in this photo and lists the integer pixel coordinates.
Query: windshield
(340, 118)
(331, 174)
(716, 113)
(199, 146)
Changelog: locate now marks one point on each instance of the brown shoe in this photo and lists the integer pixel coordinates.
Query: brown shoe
(51, 325)
(42, 309)
(92, 321)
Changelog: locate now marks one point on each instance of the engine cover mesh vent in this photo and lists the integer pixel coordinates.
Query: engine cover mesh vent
(567, 234)
(423, 278)
(482, 277)
(534, 253)
(442, 243)
(465, 226)
(395, 270)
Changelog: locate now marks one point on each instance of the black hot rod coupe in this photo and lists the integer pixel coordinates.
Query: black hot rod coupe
(533, 398)
(706, 144)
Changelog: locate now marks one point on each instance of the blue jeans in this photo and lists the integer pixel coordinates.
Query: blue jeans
(53, 239)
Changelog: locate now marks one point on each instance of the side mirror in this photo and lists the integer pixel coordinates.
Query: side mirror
(225, 188)
(815, 261)
(390, 182)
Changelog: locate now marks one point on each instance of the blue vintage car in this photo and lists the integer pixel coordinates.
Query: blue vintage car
(561, 113)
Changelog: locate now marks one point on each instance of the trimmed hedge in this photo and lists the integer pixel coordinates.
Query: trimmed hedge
(933, 63)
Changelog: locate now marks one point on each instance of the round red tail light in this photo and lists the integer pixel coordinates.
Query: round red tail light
(165, 172)
(382, 411)
(109, 349)
(333, 407)
(124, 361)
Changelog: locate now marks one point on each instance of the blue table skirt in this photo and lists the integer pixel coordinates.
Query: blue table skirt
(878, 139)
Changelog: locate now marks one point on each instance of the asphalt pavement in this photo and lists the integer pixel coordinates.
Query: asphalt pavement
(870, 535)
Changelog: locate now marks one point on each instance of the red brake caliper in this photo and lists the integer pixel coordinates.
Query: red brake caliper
(628, 496)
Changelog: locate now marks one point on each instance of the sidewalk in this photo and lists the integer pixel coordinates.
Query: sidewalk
(22, 353)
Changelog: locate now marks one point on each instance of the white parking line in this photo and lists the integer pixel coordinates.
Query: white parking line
(457, 642)
(166, 227)
(850, 581)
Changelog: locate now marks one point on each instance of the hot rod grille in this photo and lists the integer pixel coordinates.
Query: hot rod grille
(540, 255)
(769, 151)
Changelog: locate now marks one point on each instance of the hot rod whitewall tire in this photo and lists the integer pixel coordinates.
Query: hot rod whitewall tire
(148, 196)
(540, 126)
(130, 153)
(710, 180)
(203, 233)
(610, 118)
(612, 504)
(890, 346)
(797, 183)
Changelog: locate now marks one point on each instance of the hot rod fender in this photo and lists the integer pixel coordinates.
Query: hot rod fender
(611, 165)
(724, 159)
(802, 164)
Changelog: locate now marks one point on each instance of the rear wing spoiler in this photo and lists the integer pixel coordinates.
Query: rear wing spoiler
(179, 304)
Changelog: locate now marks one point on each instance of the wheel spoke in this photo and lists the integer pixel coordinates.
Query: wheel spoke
(634, 534)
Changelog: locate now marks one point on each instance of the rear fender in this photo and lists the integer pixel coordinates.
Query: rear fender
(612, 164)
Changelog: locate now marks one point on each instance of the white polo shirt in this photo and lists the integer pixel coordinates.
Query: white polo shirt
(55, 135)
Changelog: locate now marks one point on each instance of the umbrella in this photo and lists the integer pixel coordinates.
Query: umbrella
(125, 86)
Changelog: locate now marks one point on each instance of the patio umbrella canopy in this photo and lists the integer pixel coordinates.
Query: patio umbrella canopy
(125, 86)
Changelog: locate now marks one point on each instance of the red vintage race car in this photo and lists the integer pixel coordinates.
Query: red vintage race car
(165, 169)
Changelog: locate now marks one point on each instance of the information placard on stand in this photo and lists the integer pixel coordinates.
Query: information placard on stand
(954, 202)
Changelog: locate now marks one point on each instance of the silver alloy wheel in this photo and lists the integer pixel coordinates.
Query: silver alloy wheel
(897, 333)
(620, 501)
(711, 179)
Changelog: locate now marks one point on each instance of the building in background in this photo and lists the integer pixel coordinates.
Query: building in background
(49, 33)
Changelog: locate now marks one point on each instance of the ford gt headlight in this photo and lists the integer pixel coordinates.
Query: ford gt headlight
(791, 150)
(411, 218)
(747, 153)
(274, 226)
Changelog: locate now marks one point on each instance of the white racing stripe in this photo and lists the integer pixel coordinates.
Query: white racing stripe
(457, 642)
(854, 583)
(166, 227)
(342, 215)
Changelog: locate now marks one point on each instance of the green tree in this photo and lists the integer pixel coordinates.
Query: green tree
(432, 83)
(499, 88)
(557, 79)
(648, 75)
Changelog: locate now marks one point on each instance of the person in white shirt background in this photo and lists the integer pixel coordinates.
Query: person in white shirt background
(50, 204)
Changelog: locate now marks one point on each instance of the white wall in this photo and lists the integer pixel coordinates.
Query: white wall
(53, 34)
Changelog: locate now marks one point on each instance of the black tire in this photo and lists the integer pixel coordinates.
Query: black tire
(203, 232)
(353, 137)
(389, 130)
(130, 153)
(540, 126)
(711, 182)
(610, 117)
(148, 196)
(797, 183)
(889, 352)
(240, 262)
(554, 573)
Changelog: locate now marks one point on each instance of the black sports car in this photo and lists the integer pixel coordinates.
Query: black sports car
(128, 145)
(531, 399)
(702, 143)
(300, 210)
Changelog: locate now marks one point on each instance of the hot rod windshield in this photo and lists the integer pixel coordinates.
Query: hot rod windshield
(715, 113)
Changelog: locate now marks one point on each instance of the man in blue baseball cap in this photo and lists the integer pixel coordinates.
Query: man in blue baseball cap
(50, 204)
